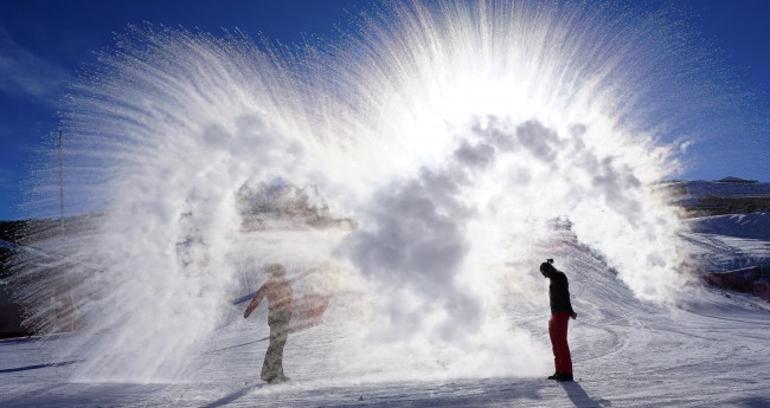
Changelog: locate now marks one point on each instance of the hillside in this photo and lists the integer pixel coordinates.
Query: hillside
(703, 198)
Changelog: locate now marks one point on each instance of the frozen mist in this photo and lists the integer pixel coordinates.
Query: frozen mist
(416, 170)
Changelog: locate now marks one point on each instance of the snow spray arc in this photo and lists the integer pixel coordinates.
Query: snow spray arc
(441, 141)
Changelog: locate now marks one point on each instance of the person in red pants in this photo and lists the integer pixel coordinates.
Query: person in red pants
(561, 312)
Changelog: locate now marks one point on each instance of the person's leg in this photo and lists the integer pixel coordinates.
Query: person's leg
(565, 353)
(561, 323)
(273, 355)
(272, 369)
(282, 334)
(279, 345)
(268, 366)
(552, 333)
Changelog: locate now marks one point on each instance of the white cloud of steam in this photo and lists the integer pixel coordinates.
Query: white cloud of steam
(416, 233)
(453, 142)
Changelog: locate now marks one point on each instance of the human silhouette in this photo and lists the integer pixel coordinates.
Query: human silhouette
(561, 311)
(278, 292)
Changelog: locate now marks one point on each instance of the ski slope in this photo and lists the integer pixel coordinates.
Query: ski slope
(708, 350)
(725, 242)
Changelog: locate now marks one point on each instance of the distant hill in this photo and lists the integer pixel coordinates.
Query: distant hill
(10, 313)
(730, 195)
(731, 179)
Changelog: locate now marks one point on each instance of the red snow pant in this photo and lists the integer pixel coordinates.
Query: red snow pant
(557, 329)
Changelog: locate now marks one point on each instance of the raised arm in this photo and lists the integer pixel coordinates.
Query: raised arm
(255, 301)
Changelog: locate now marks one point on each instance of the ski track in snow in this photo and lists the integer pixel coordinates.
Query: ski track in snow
(709, 350)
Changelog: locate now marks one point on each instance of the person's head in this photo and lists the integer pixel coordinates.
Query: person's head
(546, 268)
(276, 270)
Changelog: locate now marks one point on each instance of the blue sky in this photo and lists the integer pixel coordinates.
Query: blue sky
(44, 43)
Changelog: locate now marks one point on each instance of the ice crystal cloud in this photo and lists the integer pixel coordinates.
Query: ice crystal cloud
(451, 137)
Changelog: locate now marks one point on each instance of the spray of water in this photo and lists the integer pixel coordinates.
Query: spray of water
(417, 165)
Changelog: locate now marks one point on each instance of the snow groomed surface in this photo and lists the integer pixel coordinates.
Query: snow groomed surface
(708, 350)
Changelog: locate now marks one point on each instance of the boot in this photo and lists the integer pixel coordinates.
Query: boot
(564, 377)
(278, 379)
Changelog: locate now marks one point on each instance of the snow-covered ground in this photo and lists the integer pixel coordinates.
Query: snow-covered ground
(708, 350)
(751, 226)
(732, 241)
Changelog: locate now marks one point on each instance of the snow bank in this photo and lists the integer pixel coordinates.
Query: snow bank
(751, 226)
